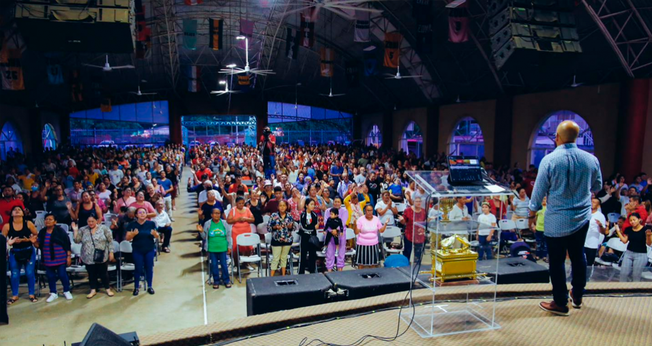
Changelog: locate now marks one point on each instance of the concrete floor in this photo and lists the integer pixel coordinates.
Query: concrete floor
(178, 302)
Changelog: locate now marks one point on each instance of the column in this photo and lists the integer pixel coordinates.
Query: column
(503, 131)
(631, 129)
(387, 128)
(431, 144)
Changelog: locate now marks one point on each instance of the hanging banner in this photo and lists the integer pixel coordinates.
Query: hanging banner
(11, 69)
(327, 59)
(190, 33)
(55, 74)
(246, 30)
(144, 33)
(194, 74)
(76, 87)
(292, 44)
(392, 49)
(105, 105)
(458, 24)
(421, 8)
(362, 26)
(307, 29)
(193, 2)
(244, 80)
(424, 38)
(353, 73)
(215, 30)
(370, 61)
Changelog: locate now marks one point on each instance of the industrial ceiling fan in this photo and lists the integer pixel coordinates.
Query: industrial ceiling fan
(139, 93)
(398, 74)
(225, 91)
(330, 93)
(247, 69)
(107, 67)
(344, 8)
(575, 83)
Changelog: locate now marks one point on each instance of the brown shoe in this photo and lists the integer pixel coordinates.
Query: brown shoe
(577, 303)
(553, 308)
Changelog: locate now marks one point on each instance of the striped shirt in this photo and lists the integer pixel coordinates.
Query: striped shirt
(60, 256)
(567, 176)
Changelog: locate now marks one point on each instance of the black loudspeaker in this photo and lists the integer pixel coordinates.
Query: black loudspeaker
(364, 283)
(495, 6)
(514, 270)
(269, 294)
(98, 335)
(4, 318)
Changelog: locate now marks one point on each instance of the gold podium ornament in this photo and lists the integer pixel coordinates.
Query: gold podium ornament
(454, 260)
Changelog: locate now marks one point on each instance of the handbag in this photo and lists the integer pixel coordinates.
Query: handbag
(23, 255)
(314, 241)
(98, 255)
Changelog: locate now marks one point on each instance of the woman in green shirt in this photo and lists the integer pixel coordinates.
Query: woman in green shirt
(542, 248)
(218, 246)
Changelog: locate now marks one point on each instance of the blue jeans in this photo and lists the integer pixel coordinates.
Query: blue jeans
(557, 249)
(542, 247)
(57, 273)
(484, 248)
(407, 250)
(15, 267)
(143, 260)
(271, 168)
(219, 258)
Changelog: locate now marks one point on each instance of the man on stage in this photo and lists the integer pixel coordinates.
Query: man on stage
(567, 176)
(267, 149)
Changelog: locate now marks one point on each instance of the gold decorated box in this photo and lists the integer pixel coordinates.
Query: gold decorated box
(453, 265)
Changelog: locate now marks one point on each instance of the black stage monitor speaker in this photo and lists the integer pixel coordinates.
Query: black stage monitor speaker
(98, 335)
(514, 270)
(269, 294)
(4, 318)
(364, 283)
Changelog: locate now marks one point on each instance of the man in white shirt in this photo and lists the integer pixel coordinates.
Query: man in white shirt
(163, 225)
(115, 175)
(459, 212)
(487, 222)
(386, 209)
(203, 195)
(595, 234)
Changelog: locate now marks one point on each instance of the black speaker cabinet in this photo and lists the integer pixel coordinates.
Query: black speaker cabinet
(99, 335)
(269, 294)
(4, 318)
(515, 270)
(364, 283)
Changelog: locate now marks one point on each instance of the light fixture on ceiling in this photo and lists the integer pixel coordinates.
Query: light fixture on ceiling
(247, 69)
(225, 91)
(231, 66)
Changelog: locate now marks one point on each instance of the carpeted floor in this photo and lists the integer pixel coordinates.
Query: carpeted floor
(602, 321)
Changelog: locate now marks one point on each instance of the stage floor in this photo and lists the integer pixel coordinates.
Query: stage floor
(602, 321)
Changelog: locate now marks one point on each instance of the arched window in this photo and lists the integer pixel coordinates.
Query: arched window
(49, 137)
(10, 141)
(412, 140)
(374, 137)
(543, 140)
(467, 139)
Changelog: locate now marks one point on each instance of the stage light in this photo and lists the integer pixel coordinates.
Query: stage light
(222, 82)
(231, 65)
(241, 37)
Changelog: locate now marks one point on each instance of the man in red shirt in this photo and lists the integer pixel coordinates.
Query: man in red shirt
(634, 206)
(203, 170)
(267, 145)
(7, 203)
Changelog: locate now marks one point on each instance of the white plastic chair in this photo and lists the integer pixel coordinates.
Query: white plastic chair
(114, 267)
(77, 267)
(616, 244)
(390, 233)
(350, 234)
(64, 227)
(296, 244)
(248, 239)
(521, 224)
(400, 207)
(126, 248)
(321, 235)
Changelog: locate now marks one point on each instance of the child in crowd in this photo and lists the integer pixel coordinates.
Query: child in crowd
(335, 240)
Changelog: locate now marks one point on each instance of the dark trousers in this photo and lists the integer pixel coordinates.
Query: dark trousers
(557, 248)
(308, 255)
(484, 248)
(143, 261)
(98, 271)
(219, 258)
(590, 260)
(167, 234)
(542, 247)
(407, 250)
(57, 273)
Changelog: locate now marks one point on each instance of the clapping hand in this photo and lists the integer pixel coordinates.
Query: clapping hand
(648, 233)
(74, 226)
(200, 228)
(134, 232)
(33, 238)
(11, 241)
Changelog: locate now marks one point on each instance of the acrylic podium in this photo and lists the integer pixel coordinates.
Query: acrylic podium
(463, 299)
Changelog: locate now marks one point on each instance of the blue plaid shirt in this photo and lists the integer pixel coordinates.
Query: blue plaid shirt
(567, 176)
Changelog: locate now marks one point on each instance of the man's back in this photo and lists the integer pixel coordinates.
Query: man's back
(567, 176)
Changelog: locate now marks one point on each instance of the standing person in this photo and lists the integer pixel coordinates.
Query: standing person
(21, 236)
(142, 203)
(54, 243)
(7, 204)
(386, 209)
(636, 236)
(218, 247)
(142, 234)
(595, 235)
(335, 240)
(97, 251)
(241, 219)
(163, 225)
(487, 222)
(168, 187)
(415, 234)
(59, 205)
(367, 229)
(520, 204)
(542, 248)
(567, 176)
(281, 224)
(267, 149)
(459, 212)
(86, 208)
(307, 228)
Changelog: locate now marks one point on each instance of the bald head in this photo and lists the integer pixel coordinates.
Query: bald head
(568, 131)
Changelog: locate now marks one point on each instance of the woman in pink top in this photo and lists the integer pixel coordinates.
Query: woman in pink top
(142, 203)
(367, 228)
(125, 201)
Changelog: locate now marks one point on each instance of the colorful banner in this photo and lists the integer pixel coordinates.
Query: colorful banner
(244, 80)
(424, 38)
(55, 74)
(362, 26)
(190, 33)
(353, 73)
(215, 30)
(327, 59)
(193, 2)
(370, 62)
(11, 69)
(292, 44)
(392, 49)
(105, 105)
(307, 29)
(458, 24)
(144, 33)
(194, 75)
(246, 30)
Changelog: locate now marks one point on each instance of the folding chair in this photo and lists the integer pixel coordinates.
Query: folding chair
(116, 266)
(126, 264)
(294, 257)
(248, 239)
(400, 207)
(350, 234)
(613, 217)
(523, 225)
(321, 235)
(390, 233)
(77, 268)
(506, 225)
(616, 244)
(64, 227)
